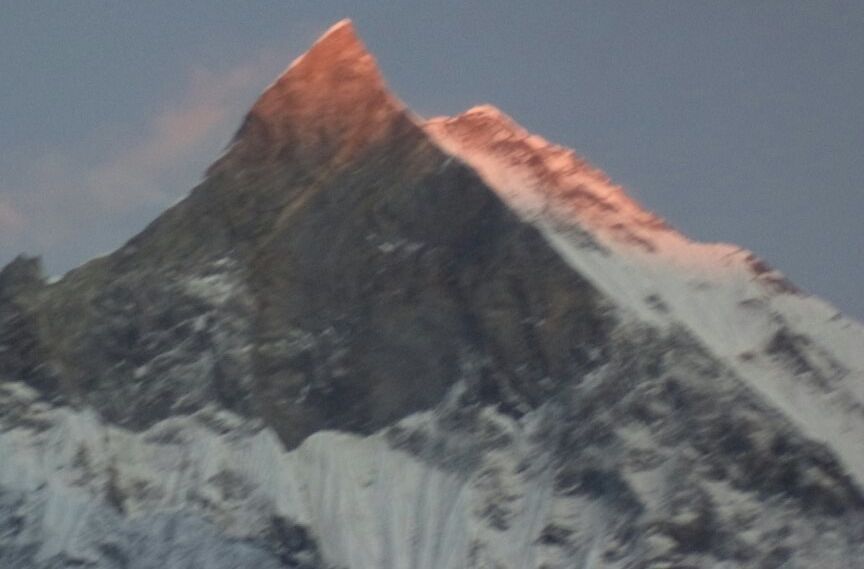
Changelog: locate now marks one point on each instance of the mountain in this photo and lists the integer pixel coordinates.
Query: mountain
(368, 340)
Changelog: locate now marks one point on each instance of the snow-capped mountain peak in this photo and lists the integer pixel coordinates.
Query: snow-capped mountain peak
(793, 349)
(366, 341)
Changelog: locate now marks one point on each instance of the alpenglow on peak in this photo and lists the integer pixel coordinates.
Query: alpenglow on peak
(332, 100)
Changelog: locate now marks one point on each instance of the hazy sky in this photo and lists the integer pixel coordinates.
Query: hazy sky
(738, 121)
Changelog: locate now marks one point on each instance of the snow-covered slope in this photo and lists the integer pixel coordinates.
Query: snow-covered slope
(795, 350)
(461, 486)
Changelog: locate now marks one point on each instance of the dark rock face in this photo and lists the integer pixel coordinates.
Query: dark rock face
(359, 308)
(22, 353)
(360, 279)
(21, 275)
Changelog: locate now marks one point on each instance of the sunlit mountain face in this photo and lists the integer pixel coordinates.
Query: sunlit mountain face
(369, 340)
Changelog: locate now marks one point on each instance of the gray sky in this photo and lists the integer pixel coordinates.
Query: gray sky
(740, 121)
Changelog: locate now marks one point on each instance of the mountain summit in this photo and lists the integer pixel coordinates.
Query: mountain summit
(367, 340)
(329, 105)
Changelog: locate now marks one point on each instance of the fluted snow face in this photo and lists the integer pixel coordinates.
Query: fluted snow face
(205, 491)
(573, 484)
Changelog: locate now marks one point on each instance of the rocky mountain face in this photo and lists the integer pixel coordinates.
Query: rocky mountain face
(369, 341)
